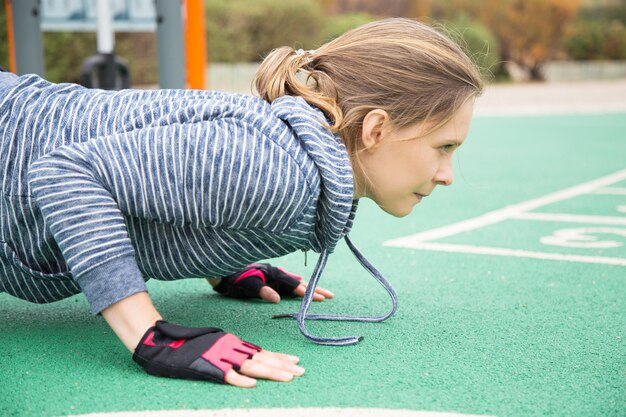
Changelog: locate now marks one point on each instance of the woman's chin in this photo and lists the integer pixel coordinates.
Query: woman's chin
(397, 211)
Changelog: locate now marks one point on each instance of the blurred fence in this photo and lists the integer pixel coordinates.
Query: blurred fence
(584, 70)
(235, 77)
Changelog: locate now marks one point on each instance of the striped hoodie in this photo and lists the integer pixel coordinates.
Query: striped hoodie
(102, 190)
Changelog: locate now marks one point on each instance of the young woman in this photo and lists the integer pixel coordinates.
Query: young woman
(102, 190)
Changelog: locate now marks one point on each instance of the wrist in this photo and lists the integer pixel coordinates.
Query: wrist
(214, 281)
(131, 317)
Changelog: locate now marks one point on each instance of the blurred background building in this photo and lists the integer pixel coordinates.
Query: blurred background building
(512, 40)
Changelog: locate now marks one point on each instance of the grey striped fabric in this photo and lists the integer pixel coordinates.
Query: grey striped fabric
(102, 190)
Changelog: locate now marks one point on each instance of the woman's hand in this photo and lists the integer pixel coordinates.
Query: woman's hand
(266, 282)
(265, 365)
(166, 349)
(210, 354)
(320, 293)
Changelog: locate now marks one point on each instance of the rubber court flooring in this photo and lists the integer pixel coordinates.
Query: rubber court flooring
(512, 287)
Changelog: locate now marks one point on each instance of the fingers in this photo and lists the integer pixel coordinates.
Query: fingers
(238, 380)
(281, 356)
(278, 362)
(320, 293)
(324, 292)
(268, 365)
(268, 294)
(294, 276)
(255, 369)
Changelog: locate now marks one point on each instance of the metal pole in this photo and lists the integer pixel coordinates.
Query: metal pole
(105, 33)
(106, 41)
(170, 44)
(195, 45)
(28, 44)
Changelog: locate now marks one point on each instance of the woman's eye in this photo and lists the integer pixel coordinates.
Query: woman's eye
(447, 148)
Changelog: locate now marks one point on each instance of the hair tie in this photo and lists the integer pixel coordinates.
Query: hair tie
(301, 52)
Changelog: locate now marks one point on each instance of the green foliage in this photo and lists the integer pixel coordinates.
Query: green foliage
(338, 24)
(140, 51)
(246, 30)
(615, 40)
(477, 41)
(605, 13)
(596, 40)
(64, 53)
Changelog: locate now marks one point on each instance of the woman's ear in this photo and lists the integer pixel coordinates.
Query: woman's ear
(374, 124)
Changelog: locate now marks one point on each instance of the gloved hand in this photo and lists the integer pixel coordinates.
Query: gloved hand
(248, 282)
(191, 353)
(266, 282)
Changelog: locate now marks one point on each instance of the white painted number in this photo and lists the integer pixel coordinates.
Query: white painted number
(585, 237)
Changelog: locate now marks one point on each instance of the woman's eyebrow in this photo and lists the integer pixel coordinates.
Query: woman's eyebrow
(456, 142)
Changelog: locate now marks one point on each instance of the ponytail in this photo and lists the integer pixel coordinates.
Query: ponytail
(287, 72)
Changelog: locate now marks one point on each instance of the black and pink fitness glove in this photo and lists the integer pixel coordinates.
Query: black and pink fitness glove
(191, 353)
(248, 282)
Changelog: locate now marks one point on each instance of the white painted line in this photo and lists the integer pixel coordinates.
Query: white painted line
(506, 212)
(621, 209)
(282, 412)
(485, 250)
(571, 218)
(611, 191)
(585, 237)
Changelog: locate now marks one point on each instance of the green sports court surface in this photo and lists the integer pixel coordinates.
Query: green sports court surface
(512, 289)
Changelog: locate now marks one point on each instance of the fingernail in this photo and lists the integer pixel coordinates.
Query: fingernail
(294, 358)
(298, 370)
(286, 376)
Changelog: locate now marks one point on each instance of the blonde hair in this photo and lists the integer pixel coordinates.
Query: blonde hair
(402, 66)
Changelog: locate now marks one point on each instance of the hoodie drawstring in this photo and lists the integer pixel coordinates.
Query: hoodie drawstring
(301, 315)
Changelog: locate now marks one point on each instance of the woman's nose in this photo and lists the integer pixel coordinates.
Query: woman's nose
(444, 175)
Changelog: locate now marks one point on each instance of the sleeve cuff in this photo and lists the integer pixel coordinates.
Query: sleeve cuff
(111, 282)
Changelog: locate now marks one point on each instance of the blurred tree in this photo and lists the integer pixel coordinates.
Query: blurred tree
(477, 41)
(375, 7)
(615, 44)
(530, 32)
(596, 39)
(140, 50)
(64, 53)
(452, 9)
(418, 8)
(246, 30)
(338, 24)
(330, 6)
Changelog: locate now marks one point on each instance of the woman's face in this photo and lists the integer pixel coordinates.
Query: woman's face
(402, 172)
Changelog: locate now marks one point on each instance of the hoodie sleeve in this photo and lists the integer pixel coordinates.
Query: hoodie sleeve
(219, 174)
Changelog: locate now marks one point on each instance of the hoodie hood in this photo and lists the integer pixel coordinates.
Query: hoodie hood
(336, 206)
(335, 210)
